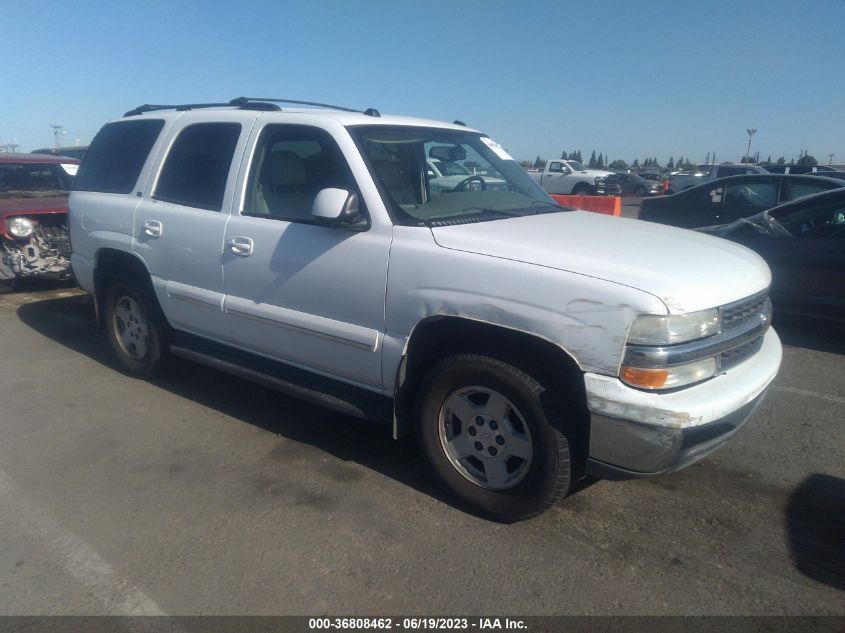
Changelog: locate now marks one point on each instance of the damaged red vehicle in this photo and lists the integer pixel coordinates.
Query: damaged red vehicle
(34, 242)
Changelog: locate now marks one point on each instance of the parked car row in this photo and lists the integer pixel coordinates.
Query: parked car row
(796, 223)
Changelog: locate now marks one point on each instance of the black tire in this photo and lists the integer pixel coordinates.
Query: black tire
(123, 289)
(549, 473)
(583, 190)
(640, 191)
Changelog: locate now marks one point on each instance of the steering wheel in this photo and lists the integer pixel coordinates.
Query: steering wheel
(464, 184)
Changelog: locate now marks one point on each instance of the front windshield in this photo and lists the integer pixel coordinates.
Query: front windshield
(33, 180)
(576, 166)
(494, 186)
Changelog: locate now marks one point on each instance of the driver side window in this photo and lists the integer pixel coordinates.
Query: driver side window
(820, 222)
(555, 168)
(290, 166)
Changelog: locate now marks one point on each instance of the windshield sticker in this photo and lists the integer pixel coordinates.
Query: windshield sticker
(498, 150)
(70, 169)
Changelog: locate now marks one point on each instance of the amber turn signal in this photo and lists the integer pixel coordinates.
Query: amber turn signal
(646, 378)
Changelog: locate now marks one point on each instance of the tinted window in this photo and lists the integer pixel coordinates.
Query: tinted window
(762, 195)
(197, 167)
(823, 220)
(806, 188)
(116, 155)
(33, 180)
(292, 163)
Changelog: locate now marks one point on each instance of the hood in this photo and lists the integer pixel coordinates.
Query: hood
(686, 270)
(32, 206)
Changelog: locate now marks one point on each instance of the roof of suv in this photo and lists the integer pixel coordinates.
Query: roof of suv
(343, 117)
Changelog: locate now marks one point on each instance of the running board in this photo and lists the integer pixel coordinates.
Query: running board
(324, 392)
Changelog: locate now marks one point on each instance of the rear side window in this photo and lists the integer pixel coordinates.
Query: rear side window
(197, 167)
(806, 188)
(116, 156)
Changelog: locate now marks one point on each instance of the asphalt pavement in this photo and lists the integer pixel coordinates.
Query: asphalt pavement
(203, 494)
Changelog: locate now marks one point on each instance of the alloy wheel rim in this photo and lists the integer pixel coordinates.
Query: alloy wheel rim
(130, 326)
(485, 437)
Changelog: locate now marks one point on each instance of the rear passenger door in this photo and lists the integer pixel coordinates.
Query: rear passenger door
(179, 224)
(303, 293)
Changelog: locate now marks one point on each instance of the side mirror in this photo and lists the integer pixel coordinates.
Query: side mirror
(565, 170)
(337, 207)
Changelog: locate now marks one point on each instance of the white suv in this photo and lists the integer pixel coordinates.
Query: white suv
(524, 343)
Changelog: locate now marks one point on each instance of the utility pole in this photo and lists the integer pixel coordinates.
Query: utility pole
(58, 132)
(751, 132)
(830, 161)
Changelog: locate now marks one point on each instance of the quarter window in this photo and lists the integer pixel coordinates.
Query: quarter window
(292, 163)
(117, 155)
(197, 166)
(801, 189)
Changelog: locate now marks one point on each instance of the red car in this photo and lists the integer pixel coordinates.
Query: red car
(34, 191)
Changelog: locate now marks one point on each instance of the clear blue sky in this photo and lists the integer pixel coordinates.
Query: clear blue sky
(624, 78)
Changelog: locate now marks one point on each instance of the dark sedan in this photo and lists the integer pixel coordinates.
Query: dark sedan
(727, 199)
(804, 244)
(633, 184)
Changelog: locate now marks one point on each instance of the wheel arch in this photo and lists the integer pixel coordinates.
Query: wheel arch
(108, 263)
(437, 336)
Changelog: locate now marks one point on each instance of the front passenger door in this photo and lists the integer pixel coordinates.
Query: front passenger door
(297, 291)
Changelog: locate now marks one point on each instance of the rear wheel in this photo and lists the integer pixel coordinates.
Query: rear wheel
(135, 330)
(492, 436)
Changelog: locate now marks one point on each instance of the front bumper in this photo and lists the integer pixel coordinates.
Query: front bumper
(641, 434)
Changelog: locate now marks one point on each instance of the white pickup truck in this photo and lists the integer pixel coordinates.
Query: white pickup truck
(568, 177)
(524, 344)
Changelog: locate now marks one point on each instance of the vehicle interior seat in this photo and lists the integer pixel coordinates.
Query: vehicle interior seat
(396, 182)
(282, 189)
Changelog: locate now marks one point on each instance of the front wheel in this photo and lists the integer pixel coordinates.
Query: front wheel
(640, 191)
(491, 433)
(134, 329)
(582, 190)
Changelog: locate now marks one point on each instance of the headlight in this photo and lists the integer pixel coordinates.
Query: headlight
(20, 227)
(667, 330)
(669, 377)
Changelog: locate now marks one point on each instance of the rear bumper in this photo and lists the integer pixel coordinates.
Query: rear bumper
(638, 434)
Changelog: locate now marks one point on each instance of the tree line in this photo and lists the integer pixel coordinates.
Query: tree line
(601, 161)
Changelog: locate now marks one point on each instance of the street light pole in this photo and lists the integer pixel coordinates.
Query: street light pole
(830, 162)
(751, 132)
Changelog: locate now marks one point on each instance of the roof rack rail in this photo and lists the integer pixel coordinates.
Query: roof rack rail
(151, 107)
(246, 103)
(240, 101)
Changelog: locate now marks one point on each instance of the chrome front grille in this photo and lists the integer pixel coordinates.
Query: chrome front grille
(744, 323)
(736, 313)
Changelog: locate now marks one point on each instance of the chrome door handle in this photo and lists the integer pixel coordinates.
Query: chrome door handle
(240, 245)
(152, 228)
